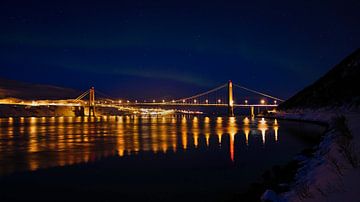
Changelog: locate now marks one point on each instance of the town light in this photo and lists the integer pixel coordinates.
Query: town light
(246, 101)
(207, 101)
(262, 101)
(219, 100)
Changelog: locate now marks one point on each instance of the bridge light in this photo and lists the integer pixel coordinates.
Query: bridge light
(183, 101)
(246, 101)
(262, 101)
(195, 101)
(207, 101)
(275, 101)
(219, 100)
(262, 121)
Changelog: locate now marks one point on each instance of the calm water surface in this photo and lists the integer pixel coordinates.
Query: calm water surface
(174, 157)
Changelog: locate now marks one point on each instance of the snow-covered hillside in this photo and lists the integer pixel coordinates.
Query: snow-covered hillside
(333, 173)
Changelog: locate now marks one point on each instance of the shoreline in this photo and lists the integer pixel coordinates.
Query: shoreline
(284, 173)
(316, 176)
(322, 123)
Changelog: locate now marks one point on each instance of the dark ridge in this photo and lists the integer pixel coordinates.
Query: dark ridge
(23, 90)
(338, 87)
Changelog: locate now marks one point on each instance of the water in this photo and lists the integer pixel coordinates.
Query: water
(155, 158)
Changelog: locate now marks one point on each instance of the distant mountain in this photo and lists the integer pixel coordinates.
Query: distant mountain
(23, 90)
(339, 87)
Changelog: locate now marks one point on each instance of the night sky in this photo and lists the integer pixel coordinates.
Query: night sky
(175, 48)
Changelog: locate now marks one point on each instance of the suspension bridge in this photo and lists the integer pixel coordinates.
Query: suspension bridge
(221, 96)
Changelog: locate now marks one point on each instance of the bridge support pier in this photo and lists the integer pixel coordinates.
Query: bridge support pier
(92, 102)
(252, 112)
(230, 99)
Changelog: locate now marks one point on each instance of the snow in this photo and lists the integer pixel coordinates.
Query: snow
(328, 175)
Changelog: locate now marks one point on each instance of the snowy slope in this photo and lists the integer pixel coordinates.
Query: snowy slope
(333, 173)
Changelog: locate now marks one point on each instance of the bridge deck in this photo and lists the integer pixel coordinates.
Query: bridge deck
(200, 104)
(39, 103)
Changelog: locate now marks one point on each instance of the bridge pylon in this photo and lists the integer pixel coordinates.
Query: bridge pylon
(230, 99)
(92, 102)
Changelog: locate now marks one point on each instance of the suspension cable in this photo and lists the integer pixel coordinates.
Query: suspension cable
(201, 94)
(257, 92)
(82, 95)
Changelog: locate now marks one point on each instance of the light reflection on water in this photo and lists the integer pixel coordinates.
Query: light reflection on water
(33, 143)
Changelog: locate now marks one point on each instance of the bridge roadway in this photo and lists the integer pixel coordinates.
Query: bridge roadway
(71, 104)
(198, 104)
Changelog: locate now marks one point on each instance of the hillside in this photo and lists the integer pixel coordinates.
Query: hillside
(338, 87)
(23, 90)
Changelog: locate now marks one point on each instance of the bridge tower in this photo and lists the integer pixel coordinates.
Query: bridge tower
(230, 99)
(92, 102)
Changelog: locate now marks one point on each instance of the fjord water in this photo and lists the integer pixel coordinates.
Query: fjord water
(158, 158)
